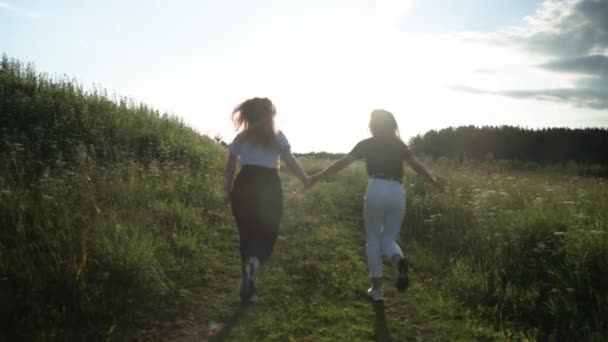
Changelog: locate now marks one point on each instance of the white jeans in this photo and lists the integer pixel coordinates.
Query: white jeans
(384, 212)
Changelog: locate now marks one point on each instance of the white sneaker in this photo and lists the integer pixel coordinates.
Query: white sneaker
(376, 295)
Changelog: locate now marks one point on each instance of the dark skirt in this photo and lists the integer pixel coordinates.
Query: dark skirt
(257, 205)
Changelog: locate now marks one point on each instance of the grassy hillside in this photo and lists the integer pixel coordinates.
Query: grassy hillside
(109, 210)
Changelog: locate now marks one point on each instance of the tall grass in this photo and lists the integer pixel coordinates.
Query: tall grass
(108, 210)
(530, 246)
(525, 248)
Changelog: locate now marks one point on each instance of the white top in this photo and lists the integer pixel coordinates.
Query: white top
(257, 154)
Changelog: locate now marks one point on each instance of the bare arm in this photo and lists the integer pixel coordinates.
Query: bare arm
(229, 176)
(421, 170)
(294, 166)
(334, 168)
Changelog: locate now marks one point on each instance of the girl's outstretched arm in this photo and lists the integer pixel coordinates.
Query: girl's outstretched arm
(333, 168)
(421, 170)
(294, 165)
(229, 176)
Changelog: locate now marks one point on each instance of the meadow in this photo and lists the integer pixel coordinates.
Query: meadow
(114, 228)
(518, 251)
(528, 247)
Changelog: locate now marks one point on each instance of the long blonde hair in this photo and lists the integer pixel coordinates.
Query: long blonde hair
(255, 119)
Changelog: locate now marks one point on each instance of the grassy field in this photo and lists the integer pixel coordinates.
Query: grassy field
(528, 248)
(114, 228)
(503, 254)
(314, 287)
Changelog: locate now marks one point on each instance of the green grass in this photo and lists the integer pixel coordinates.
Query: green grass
(111, 213)
(491, 260)
(528, 248)
(314, 287)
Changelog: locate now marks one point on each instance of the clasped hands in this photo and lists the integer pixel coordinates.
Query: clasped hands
(310, 181)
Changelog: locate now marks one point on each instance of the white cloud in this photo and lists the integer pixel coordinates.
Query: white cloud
(565, 28)
(571, 37)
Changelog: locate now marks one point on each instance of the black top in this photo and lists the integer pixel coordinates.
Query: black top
(383, 156)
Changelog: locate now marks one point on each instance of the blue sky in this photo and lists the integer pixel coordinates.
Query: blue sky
(326, 64)
(467, 15)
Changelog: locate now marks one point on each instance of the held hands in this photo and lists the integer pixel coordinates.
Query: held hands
(311, 181)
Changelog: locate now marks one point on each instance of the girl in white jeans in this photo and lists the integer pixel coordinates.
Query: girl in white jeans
(384, 155)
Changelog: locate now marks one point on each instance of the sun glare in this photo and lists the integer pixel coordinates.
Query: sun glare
(389, 13)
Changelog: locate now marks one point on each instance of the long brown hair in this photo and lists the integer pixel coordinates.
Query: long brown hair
(255, 118)
(383, 124)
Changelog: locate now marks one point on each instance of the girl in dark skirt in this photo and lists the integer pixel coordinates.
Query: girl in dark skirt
(256, 195)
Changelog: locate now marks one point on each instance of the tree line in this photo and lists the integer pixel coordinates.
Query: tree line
(545, 146)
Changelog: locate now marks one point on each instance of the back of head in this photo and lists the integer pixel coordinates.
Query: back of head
(255, 119)
(382, 124)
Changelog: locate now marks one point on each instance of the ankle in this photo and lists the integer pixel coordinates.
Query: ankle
(376, 283)
(254, 261)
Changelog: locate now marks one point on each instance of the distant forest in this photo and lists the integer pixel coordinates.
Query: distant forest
(545, 146)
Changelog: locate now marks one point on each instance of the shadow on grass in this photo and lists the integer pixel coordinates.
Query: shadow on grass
(223, 334)
(381, 332)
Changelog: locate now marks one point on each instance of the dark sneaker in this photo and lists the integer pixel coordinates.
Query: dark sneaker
(254, 297)
(403, 280)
